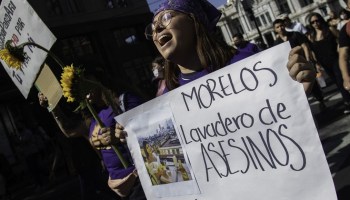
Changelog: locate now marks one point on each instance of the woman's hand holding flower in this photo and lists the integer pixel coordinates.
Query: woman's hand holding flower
(107, 137)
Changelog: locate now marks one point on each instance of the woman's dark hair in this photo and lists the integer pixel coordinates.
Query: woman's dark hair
(277, 21)
(239, 35)
(322, 22)
(213, 54)
(159, 60)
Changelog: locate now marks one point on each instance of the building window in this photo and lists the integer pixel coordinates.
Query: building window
(125, 36)
(258, 21)
(76, 47)
(304, 3)
(57, 7)
(122, 3)
(116, 3)
(70, 6)
(263, 20)
(131, 40)
(235, 26)
(283, 6)
(54, 7)
(268, 17)
(109, 4)
(137, 70)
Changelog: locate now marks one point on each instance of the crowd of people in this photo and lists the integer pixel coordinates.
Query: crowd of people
(183, 31)
(320, 40)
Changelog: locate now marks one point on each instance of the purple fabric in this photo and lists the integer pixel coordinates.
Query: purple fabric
(110, 158)
(205, 12)
(131, 101)
(186, 78)
(249, 49)
(240, 55)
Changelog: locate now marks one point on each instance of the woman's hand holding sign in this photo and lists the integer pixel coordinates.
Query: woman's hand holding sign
(300, 69)
(120, 133)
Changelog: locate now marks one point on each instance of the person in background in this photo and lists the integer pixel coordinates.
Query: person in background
(344, 18)
(297, 39)
(244, 46)
(84, 161)
(158, 74)
(123, 181)
(344, 48)
(333, 19)
(323, 43)
(293, 26)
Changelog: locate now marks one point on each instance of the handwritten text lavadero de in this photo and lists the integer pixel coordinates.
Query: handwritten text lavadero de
(259, 150)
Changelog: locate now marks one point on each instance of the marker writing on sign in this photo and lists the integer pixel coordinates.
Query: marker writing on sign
(6, 21)
(269, 148)
(215, 88)
(249, 154)
(229, 125)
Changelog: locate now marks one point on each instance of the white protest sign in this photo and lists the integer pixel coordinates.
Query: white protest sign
(246, 129)
(20, 23)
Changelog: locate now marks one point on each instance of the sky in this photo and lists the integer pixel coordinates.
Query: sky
(153, 4)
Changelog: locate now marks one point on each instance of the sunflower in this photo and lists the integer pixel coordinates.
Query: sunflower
(69, 82)
(10, 59)
(13, 56)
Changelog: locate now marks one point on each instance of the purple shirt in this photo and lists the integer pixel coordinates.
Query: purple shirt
(110, 158)
(244, 53)
(186, 78)
(247, 49)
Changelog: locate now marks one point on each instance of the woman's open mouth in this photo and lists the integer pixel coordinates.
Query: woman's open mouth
(163, 39)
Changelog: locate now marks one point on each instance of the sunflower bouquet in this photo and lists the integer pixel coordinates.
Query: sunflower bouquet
(74, 84)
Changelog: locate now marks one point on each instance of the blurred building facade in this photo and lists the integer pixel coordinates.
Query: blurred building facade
(235, 17)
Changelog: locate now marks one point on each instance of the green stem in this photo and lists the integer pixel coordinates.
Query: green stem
(52, 55)
(101, 124)
(109, 98)
(94, 114)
